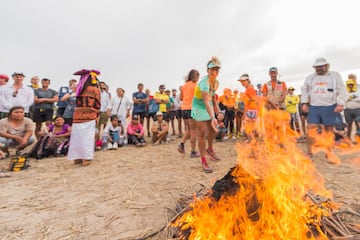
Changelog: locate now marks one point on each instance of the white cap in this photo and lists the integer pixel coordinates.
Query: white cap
(320, 62)
(159, 113)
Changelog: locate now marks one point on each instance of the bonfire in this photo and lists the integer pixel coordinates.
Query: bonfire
(274, 192)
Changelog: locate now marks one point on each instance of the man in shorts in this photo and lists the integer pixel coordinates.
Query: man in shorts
(105, 106)
(43, 107)
(140, 99)
(323, 96)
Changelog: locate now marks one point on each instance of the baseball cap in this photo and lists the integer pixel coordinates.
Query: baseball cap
(159, 113)
(320, 62)
(291, 88)
(4, 76)
(273, 69)
(135, 117)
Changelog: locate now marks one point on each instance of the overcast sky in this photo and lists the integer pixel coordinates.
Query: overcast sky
(159, 41)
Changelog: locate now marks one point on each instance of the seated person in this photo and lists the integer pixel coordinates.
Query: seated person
(159, 129)
(54, 140)
(113, 135)
(221, 127)
(135, 132)
(16, 130)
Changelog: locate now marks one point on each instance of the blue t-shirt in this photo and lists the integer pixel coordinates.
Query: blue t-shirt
(62, 92)
(139, 107)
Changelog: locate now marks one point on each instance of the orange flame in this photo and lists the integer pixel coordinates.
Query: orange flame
(274, 176)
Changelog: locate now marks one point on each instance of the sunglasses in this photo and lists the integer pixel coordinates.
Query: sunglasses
(15, 93)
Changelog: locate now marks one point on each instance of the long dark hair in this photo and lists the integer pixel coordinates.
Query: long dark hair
(192, 75)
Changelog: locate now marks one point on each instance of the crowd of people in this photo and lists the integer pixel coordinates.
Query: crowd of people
(82, 117)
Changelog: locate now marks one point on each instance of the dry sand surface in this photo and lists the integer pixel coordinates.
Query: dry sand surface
(124, 194)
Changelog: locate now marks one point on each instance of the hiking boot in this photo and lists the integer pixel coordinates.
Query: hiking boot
(115, 146)
(212, 155)
(205, 166)
(181, 148)
(194, 154)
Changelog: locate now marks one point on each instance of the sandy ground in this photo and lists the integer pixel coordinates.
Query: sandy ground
(124, 194)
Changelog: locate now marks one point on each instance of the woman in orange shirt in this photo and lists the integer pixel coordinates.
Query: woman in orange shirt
(251, 111)
(186, 96)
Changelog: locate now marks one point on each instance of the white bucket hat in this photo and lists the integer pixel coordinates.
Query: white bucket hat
(320, 62)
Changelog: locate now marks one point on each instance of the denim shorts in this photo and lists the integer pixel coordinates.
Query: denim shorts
(323, 115)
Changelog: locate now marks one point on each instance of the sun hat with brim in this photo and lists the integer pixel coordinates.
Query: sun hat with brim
(213, 65)
(4, 76)
(320, 62)
(244, 77)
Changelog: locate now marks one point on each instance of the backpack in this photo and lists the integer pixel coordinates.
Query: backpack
(63, 148)
(44, 147)
(19, 163)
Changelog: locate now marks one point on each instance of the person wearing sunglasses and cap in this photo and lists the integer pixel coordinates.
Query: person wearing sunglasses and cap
(204, 108)
(352, 106)
(291, 102)
(323, 96)
(16, 94)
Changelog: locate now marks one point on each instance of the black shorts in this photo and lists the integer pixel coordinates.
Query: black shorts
(151, 115)
(140, 114)
(43, 114)
(186, 114)
(172, 115)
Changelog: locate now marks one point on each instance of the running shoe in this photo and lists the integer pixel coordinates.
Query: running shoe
(205, 166)
(181, 148)
(212, 155)
(115, 146)
(194, 154)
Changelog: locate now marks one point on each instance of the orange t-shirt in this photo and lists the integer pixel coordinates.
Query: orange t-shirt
(187, 93)
(249, 98)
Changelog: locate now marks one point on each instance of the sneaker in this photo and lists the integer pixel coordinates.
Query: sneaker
(181, 148)
(115, 146)
(226, 138)
(194, 154)
(205, 166)
(143, 143)
(138, 144)
(212, 155)
(233, 137)
(109, 146)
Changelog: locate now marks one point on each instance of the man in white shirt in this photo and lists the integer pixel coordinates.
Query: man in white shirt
(121, 106)
(323, 96)
(105, 106)
(16, 94)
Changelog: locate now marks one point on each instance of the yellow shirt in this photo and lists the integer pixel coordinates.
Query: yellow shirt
(162, 106)
(291, 102)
